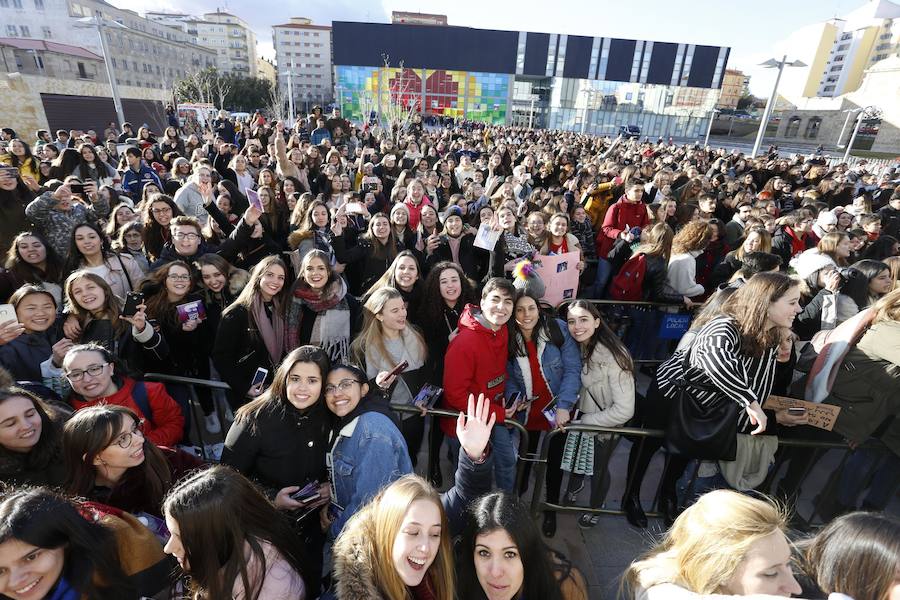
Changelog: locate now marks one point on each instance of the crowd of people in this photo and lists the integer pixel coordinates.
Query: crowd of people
(342, 279)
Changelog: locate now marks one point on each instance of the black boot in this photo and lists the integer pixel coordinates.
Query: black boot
(633, 511)
(668, 506)
(549, 526)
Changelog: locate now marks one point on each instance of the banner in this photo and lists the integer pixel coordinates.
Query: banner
(559, 273)
(822, 416)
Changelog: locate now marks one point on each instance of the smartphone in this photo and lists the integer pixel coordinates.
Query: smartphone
(259, 377)
(796, 410)
(8, 313)
(76, 188)
(398, 369)
(513, 400)
(132, 301)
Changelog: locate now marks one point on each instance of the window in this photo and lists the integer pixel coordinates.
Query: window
(124, 65)
(793, 127)
(39, 4)
(82, 73)
(11, 31)
(812, 128)
(115, 66)
(17, 3)
(843, 47)
(26, 32)
(45, 31)
(4, 3)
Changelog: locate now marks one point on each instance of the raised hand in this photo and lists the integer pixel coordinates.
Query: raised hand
(473, 430)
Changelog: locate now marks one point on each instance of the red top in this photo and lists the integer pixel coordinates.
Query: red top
(560, 248)
(536, 420)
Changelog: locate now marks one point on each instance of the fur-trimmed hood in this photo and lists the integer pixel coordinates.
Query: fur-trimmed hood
(237, 281)
(353, 560)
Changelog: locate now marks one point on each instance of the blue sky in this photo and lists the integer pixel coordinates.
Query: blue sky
(753, 28)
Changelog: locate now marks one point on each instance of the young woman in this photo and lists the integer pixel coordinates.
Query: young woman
(221, 284)
(92, 168)
(130, 240)
(855, 556)
(386, 340)
(878, 276)
(756, 239)
(536, 228)
(514, 244)
(370, 257)
(30, 439)
(252, 334)
(405, 277)
(732, 357)
(791, 236)
(274, 218)
(189, 338)
(501, 556)
(119, 216)
(397, 546)
(49, 549)
(403, 233)
(688, 244)
(279, 441)
(158, 212)
(457, 246)
(90, 251)
(543, 369)
(109, 460)
(727, 543)
(256, 555)
(606, 399)
(95, 315)
(313, 233)
(322, 312)
(32, 347)
(31, 259)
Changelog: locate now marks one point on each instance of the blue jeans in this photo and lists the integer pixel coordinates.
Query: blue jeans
(503, 451)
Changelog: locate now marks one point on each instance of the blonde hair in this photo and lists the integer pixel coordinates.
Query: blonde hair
(707, 543)
(372, 530)
(887, 308)
(371, 339)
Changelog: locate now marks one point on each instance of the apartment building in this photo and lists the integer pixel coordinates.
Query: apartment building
(734, 85)
(304, 50)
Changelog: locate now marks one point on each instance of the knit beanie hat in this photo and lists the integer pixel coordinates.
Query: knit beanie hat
(454, 211)
(825, 218)
(810, 262)
(527, 279)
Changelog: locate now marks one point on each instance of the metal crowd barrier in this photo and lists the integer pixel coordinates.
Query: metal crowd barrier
(522, 458)
(196, 411)
(539, 505)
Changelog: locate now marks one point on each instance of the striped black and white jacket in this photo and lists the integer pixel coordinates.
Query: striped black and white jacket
(716, 361)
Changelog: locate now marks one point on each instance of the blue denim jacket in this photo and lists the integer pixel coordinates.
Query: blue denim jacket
(368, 454)
(560, 366)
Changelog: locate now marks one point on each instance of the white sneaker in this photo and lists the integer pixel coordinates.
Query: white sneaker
(211, 421)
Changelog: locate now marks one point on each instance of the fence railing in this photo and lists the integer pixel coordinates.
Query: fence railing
(538, 504)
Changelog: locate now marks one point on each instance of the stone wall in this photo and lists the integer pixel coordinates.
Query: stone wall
(20, 98)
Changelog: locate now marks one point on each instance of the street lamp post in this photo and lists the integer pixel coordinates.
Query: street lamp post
(869, 112)
(290, 83)
(779, 64)
(712, 117)
(849, 112)
(97, 21)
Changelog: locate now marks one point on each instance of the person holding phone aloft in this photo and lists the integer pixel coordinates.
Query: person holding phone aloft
(57, 212)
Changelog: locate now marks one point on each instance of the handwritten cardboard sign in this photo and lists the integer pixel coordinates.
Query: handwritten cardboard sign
(822, 416)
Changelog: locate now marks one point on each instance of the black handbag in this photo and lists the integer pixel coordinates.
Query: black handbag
(694, 430)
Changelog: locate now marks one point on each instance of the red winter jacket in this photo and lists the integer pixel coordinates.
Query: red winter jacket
(415, 212)
(619, 217)
(167, 427)
(475, 363)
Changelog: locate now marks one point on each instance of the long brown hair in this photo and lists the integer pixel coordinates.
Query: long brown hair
(251, 290)
(371, 337)
(693, 236)
(749, 307)
(657, 242)
(604, 336)
(93, 429)
(219, 514)
(276, 396)
(158, 305)
(111, 309)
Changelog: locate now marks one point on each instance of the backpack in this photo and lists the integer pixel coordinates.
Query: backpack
(628, 284)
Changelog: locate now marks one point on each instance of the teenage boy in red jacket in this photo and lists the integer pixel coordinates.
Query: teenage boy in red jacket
(475, 363)
(621, 217)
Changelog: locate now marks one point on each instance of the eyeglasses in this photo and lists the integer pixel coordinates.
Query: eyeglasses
(161, 211)
(343, 385)
(124, 440)
(93, 371)
(175, 277)
(186, 236)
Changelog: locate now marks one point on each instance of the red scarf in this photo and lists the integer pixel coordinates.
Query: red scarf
(798, 244)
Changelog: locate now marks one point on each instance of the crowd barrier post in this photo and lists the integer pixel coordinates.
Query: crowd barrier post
(196, 410)
(538, 505)
(440, 412)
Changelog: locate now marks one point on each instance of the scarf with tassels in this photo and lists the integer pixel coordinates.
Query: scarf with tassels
(331, 330)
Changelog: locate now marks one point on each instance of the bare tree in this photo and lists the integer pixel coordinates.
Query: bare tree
(222, 86)
(402, 103)
(276, 103)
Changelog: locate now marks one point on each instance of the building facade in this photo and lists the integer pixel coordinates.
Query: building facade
(399, 17)
(229, 36)
(734, 85)
(557, 81)
(265, 69)
(303, 50)
(846, 47)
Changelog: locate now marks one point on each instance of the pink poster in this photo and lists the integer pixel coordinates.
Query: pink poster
(560, 275)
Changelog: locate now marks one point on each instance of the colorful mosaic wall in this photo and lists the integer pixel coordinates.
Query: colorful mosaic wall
(477, 96)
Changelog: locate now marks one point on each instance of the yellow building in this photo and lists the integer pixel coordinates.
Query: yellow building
(265, 69)
(849, 45)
